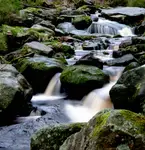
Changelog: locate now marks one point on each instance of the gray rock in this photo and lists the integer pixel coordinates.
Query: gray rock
(40, 48)
(109, 129)
(128, 92)
(121, 61)
(15, 93)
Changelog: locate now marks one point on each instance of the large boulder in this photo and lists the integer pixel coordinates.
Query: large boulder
(51, 138)
(129, 91)
(125, 15)
(17, 36)
(110, 129)
(15, 93)
(39, 70)
(121, 61)
(80, 79)
(82, 22)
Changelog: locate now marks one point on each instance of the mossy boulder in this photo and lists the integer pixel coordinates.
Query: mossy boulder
(15, 92)
(132, 65)
(80, 79)
(59, 47)
(82, 22)
(39, 70)
(87, 9)
(128, 92)
(110, 129)
(17, 36)
(51, 138)
(133, 49)
(3, 44)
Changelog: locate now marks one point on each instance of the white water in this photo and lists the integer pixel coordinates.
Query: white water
(104, 26)
(94, 102)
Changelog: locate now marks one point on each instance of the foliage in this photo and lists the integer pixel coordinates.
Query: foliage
(136, 3)
(7, 8)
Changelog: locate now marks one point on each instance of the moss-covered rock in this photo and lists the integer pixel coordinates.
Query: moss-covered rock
(38, 70)
(15, 93)
(63, 48)
(132, 65)
(84, 37)
(110, 129)
(128, 92)
(133, 49)
(51, 138)
(80, 79)
(3, 44)
(82, 22)
(87, 9)
(17, 36)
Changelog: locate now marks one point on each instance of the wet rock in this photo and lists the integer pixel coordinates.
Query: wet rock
(47, 24)
(17, 36)
(58, 47)
(39, 70)
(15, 93)
(132, 65)
(138, 40)
(128, 92)
(38, 48)
(17, 137)
(117, 54)
(66, 27)
(91, 60)
(96, 44)
(128, 15)
(124, 129)
(51, 138)
(121, 61)
(78, 80)
(46, 14)
(82, 22)
(133, 49)
(142, 59)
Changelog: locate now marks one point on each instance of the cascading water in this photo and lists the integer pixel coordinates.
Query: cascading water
(52, 92)
(104, 26)
(94, 102)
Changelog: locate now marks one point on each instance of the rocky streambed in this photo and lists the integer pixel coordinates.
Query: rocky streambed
(82, 44)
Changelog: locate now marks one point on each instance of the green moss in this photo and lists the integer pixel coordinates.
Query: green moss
(137, 120)
(84, 37)
(136, 3)
(101, 121)
(82, 22)
(3, 43)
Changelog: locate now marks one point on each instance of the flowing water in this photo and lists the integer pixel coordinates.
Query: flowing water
(98, 99)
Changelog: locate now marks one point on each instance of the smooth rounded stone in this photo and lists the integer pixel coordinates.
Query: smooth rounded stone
(15, 93)
(82, 22)
(39, 48)
(79, 80)
(51, 138)
(17, 137)
(121, 61)
(138, 40)
(66, 27)
(132, 65)
(109, 129)
(91, 60)
(47, 24)
(39, 70)
(128, 92)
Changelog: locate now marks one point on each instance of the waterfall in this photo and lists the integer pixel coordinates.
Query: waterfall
(52, 92)
(95, 101)
(54, 86)
(104, 26)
